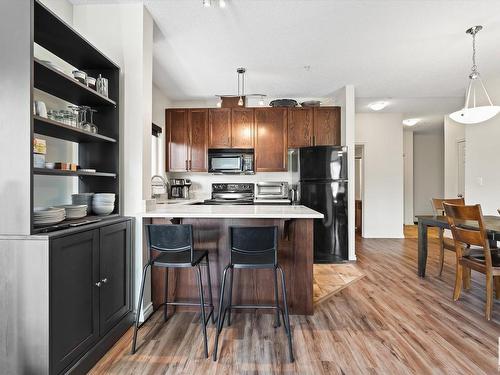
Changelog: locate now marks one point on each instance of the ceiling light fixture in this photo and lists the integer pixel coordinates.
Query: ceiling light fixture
(377, 106)
(411, 121)
(471, 113)
(207, 3)
(222, 3)
(241, 90)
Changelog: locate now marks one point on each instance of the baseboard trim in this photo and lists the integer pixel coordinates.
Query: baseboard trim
(147, 311)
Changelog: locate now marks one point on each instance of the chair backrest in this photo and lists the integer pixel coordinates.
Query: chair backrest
(174, 238)
(437, 204)
(460, 216)
(256, 243)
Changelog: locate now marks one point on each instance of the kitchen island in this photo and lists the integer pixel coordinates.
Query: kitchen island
(211, 223)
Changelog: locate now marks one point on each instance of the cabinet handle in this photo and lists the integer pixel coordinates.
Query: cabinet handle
(190, 164)
(187, 169)
(98, 284)
(104, 281)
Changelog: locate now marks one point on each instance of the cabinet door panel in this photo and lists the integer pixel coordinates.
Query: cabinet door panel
(219, 128)
(300, 127)
(242, 128)
(327, 126)
(271, 139)
(177, 139)
(74, 298)
(114, 255)
(198, 124)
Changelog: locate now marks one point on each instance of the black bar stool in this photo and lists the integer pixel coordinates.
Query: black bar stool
(175, 244)
(254, 248)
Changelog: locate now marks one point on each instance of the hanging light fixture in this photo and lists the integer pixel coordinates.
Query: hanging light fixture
(472, 113)
(241, 85)
(241, 91)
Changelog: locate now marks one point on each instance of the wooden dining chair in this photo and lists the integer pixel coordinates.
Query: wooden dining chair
(478, 255)
(444, 242)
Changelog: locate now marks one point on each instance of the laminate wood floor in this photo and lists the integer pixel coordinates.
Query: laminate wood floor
(330, 279)
(389, 322)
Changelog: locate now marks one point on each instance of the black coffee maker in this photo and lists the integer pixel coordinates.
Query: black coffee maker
(179, 188)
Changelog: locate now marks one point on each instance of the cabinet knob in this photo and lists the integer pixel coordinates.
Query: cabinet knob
(98, 284)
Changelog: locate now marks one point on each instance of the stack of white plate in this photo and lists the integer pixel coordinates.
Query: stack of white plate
(83, 198)
(103, 203)
(48, 216)
(75, 211)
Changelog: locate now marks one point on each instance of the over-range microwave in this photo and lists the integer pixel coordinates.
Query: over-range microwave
(231, 161)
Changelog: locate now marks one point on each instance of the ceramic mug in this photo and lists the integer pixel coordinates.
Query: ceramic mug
(40, 109)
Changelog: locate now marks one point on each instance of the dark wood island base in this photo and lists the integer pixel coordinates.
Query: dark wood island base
(295, 255)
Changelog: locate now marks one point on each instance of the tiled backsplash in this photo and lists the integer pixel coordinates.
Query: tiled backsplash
(202, 182)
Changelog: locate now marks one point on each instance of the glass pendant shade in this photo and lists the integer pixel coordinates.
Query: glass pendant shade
(473, 113)
(478, 105)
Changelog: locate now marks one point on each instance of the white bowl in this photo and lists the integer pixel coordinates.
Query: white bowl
(110, 201)
(105, 195)
(99, 210)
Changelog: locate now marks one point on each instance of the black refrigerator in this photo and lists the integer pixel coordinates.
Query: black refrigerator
(323, 187)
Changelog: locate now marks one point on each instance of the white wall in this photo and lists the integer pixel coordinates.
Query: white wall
(428, 170)
(482, 181)
(382, 136)
(408, 176)
(453, 133)
(160, 103)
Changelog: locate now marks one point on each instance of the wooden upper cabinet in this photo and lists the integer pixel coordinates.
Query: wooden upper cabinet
(242, 128)
(198, 134)
(177, 140)
(327, 126)
(271, 139)
(300, 127)
(219, 128)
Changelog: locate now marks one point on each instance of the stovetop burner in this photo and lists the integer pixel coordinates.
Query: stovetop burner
(234, 193)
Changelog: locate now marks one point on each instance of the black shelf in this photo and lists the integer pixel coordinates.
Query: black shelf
(67, 88)
(59, 172)
(62, 40)
(64, 225)
(59, 130)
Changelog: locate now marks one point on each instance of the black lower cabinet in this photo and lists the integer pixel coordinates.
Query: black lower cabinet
(74, 307)
(90, 293)
(115, 273)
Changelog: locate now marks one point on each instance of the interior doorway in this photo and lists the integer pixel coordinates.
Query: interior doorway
(461, 168)
(359, 159)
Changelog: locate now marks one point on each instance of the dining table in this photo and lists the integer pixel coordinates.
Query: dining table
(491, 223)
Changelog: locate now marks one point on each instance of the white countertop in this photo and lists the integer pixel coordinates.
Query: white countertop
(232, 211)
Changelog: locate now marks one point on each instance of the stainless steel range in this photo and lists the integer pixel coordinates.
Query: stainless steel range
(235, 193)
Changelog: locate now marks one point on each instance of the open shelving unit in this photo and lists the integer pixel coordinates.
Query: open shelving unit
(99, 151)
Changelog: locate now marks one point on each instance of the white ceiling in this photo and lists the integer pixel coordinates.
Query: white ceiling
(415, 54)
